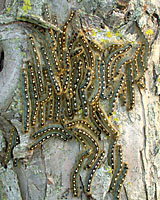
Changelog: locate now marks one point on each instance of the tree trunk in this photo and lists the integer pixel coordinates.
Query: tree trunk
(45, 172)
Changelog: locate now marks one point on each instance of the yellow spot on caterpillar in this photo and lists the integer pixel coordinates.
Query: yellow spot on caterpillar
(129, 183)
(158, 79)
(109, 117)
(94, 33)
(116, 119)
(109, 34)
(27, 6)
(149, 32)
(114, 113)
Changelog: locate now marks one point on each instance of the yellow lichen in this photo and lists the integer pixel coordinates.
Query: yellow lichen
(109, 34)
(102, 40)
(99, 30)
(27, 6)
(149, 32)
(116, 119)
(109, 169)
(94, 33)
(8, 9)
(117, 34)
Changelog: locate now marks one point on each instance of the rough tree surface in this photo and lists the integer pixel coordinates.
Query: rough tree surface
(45, 174)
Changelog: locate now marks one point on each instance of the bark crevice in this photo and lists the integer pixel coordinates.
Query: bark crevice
(143, 175)
(45, 171)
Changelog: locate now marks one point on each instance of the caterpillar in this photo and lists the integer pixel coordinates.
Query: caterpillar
(92, 172)
(49, 128)
(65, 27)
(94, 94)
(76, 171)
(106, 92)
(92, 143)
(130, 86)
(37, 62)
(26, 102)
(120, 180)
(51, 72)
(33, 94)
(109, 60)
(84, 124)
(13, 141)
(117, 166)
(118, 82)
(90, 55)
(95, 45)
(105, 122)
(110, 157)
(46, 133)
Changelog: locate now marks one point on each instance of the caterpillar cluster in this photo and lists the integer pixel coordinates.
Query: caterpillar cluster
(63, 85)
